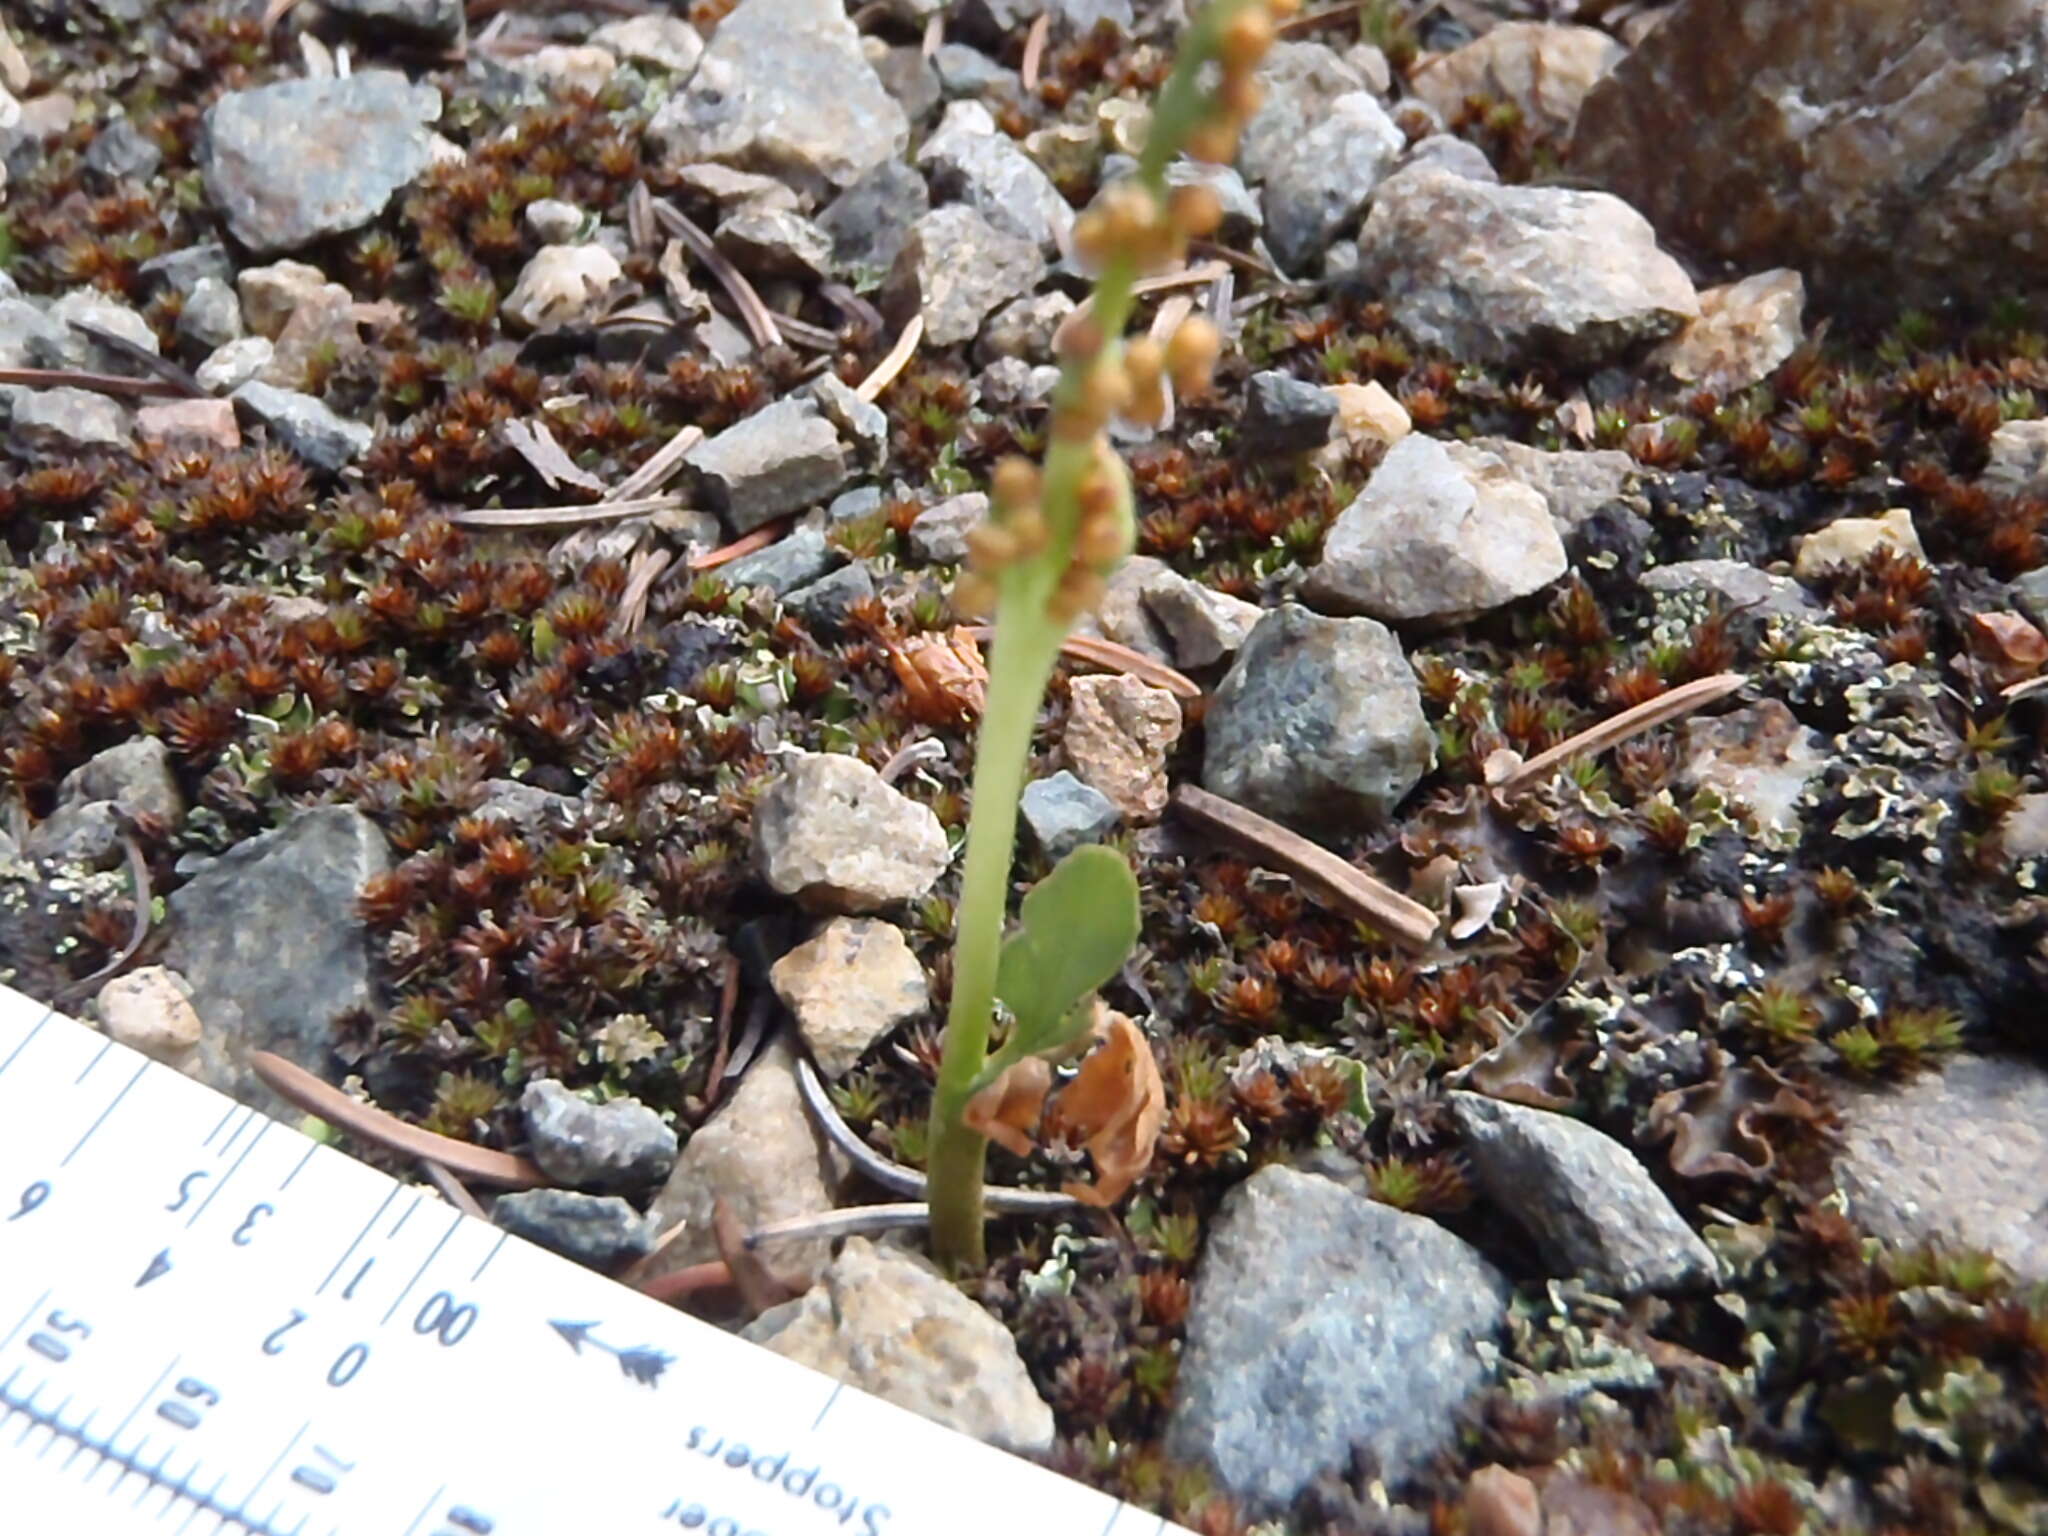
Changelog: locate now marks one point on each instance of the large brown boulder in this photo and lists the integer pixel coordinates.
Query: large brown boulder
(1895, 151)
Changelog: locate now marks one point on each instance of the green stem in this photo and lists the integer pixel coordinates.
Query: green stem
(1026, 644)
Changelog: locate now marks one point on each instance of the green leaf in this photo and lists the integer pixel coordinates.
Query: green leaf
(1078, 927)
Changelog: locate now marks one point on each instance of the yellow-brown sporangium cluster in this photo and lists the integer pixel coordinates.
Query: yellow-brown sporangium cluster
(1079, 511)
(1044, 556)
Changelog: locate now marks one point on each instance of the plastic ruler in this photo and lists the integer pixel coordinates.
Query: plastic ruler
(211, 1323)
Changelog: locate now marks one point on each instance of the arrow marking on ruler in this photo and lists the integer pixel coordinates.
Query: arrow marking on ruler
(643, 1364)
(160, 1265)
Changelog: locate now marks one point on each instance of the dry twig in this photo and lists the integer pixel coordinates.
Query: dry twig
(564, 517)
(1344, 886)
(98, 383)
(754, 314)
(887, 369)
(1679, 701)
(746, 544)
(1034, 50)
(292, 1082)
(658, 470)
(1112, 657)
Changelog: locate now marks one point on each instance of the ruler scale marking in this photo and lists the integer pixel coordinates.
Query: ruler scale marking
(412, 1415)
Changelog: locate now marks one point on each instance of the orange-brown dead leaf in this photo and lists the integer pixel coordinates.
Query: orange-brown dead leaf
(1007, 1110)
(946, 678)
(2014, 646)
(1115, 1106)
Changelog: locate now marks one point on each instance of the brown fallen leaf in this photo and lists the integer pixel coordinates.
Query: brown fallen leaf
(1007, 1110)
(945, 676)
(1115, 1105)
(2015, 648)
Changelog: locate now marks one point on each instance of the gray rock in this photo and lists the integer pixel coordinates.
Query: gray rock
(855, 505)
(2018, 463)
(602, 1232)
(1010, 382)
(1744, 331)
(996, 21)
(847, 986)
(955, 268)
(1061, 813)
(563, 69)
(939, 536)
(829, 832)
(1542, 70)
(149, 1009)
(295, 162)
(418, 21)
(1592, 1208)
(615, 1147)
(1317, 719)
(105, 312)
(305, 425)
(1301, 81)
(31, 339)
(968, 72)
(908, 76)
(267, 934)
(826, 603)
(1123, 616)
(561, 285)
(798, 559)
(122, 152)
(1284, 415)
(2030, 591)
(785, 89)
(87, 834)
(1514, 274)
(1953, 1156)
(890, 1324)
(1446, 152)
(1118, 733)
(870, 221)
(135, 775)
(272, 294)
(527, 807)
(1323, 1322)
(775, 242)
(666, 42)
(969, 160)
(1024, 328)
(1319, 191)
(65, 420)
(554, 222)
(229, 367)
(180, 271)
(211, 317)
(1894, 155)
(861, 422)
(1204, 625)
(1439, 534)
(1574, 484)
(762, 1155)
(781, 459)
(1737, 584)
